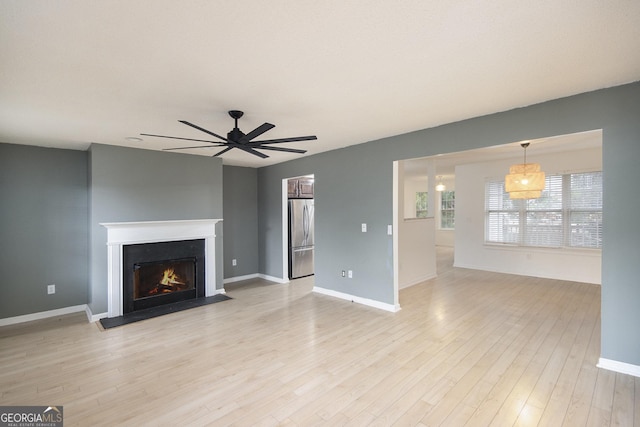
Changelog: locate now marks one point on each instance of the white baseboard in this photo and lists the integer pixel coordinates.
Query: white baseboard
(364, 301)
(92, 318)
(42, 315)
(417, 280)
(255, 276)
(241, 278)
(620, 367)
(525, 273)
(273, 278)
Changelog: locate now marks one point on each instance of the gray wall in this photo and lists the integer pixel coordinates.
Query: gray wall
(142, 185)
(621, 240)
(43, 228)
(347, 193)
(240, 225)
(48, 189)
(354, 185)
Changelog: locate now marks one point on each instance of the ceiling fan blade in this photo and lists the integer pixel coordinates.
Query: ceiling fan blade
(203, 130)
(279, 140)
(196, 146)
(248, 149)
(252, 151)
(176, 137)
(288, 150)
(257, 132)
(219, 153)
(237, 139)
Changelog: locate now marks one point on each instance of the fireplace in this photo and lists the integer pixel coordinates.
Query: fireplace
(149, 246)
(162, 273)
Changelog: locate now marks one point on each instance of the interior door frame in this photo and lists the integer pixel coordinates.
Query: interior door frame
(285, 224)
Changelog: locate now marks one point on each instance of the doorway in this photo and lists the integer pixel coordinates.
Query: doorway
(298, 227)
(467, 174)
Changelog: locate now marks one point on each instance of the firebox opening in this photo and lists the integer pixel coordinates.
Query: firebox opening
(152, 279)
(161, 273)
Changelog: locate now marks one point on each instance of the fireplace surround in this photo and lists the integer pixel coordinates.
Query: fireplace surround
(121, 236)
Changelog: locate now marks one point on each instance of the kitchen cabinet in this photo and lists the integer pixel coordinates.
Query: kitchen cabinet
(300, 188)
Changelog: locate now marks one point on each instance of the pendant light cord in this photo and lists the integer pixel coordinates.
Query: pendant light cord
(525, 145)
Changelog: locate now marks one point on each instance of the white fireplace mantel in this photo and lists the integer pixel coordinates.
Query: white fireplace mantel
(120, 234)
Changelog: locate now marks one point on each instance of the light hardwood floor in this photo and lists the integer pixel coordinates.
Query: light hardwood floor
(468, 348)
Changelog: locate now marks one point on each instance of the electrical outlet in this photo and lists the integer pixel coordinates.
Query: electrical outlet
(234, 262)
(51, 289)
(364, 227)
(343, 273)
(350, 274)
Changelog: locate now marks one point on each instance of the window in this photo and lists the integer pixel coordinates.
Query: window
(585, 208)
(422, 204)
(569, 213)
(447, 208)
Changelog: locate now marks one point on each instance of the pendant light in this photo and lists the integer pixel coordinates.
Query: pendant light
(525, 180)
(440, 186)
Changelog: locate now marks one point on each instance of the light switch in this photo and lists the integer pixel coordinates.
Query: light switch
(364, 227)
(389, 229)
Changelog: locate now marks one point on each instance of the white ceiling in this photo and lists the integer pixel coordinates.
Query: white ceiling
(76, 72)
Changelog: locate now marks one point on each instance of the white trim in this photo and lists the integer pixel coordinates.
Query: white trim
(129, 233)
(92, 318)
(256, 276)
(241, 278)
(564, 250)
(364, 301)
(418, 280)
(273, 279)
(528, 274)
(42, 315)
(395, 225)
(620, 367)
(285, 232)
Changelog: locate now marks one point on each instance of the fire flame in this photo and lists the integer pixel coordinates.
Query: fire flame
(169, 283)
(169, 277)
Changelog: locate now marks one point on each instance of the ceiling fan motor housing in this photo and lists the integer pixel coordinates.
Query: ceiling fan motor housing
(235, 135)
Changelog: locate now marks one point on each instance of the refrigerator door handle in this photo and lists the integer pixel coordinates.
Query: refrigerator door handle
(305, 223)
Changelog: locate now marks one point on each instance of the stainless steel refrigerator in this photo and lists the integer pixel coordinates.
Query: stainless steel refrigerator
(300, 238)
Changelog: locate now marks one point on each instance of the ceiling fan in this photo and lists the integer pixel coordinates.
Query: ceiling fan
(238, 139)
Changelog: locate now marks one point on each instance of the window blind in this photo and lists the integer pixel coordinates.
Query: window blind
(585, 210)
(569, 213)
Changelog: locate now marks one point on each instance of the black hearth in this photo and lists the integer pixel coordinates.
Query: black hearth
(162, 273)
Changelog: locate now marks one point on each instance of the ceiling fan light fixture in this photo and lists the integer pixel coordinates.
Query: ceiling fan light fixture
(238, 139)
